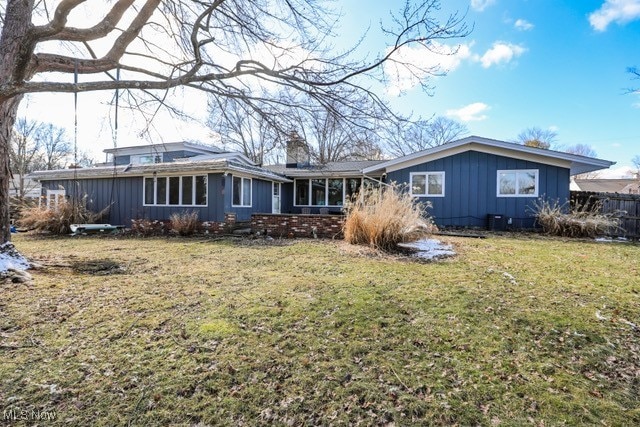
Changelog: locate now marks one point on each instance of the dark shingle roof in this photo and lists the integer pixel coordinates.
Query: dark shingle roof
(329, 169)
(604, 185)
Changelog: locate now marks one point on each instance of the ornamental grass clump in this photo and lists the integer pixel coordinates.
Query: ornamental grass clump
(57, 219)
(185, 223)
(385, 216)
(578, 221)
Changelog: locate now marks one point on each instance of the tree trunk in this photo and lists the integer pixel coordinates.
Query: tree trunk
(16, 49)
(8, 111)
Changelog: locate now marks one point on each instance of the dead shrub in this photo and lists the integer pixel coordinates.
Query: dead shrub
(58, 219)
(148, 227)
(577, 221)
(184, 223)
(385, 216)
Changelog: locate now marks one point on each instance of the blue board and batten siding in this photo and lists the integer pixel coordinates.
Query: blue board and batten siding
(471, 189)
(125, 196)
(261, 198)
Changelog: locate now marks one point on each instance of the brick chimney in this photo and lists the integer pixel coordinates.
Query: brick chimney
(297, 151)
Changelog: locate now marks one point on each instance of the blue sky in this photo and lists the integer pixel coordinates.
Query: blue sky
(552, 64)
(558, 65)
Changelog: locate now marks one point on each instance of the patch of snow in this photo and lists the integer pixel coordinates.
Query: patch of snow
(600, 316)
(429, 249)
(11, 259)
(510, 278)
(610, 239)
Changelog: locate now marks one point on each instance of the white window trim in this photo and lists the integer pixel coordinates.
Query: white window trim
(276, 185)
(193, 191)
(326, 192)
(517, 172)
(242, 178)
(55, 194)
(426, 184)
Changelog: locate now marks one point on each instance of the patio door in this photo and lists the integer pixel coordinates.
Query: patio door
(275, 203)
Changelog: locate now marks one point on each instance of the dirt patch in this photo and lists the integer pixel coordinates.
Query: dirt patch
(98, 267)
(261, 241)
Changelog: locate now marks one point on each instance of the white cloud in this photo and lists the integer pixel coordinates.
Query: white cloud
(523, 25)
(481, 5)
(620, 11)
(411, 65)
(501, 52)
(470, 113)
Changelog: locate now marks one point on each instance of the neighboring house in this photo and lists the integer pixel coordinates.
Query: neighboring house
(25, 186)
(625, 185)
(466, 181)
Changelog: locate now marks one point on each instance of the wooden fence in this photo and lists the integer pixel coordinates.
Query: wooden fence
(624, 206)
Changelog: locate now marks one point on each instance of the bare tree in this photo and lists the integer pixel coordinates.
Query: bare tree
(443, 129)
(56, 148)
(409, 137)
(537, 137)
(256, 134)
(36, 146)
(582, 150)
(636, 163)
(343, 131)
(366, 149)
(25, 154)
(228, 49)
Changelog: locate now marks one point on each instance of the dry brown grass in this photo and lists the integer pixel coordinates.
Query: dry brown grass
(579, 221)
(184, 223)
(383, 217)
(162, 332)
(58, 219)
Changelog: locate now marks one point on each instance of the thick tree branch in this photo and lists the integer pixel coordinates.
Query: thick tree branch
(59, 19)
(56, 29)
(65, 64)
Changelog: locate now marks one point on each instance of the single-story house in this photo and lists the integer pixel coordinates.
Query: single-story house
(23, 186)
(466, 181)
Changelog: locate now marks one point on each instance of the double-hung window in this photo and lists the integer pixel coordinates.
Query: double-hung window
(187, 190)
(241, 191)
(427, 184)
(518, 183)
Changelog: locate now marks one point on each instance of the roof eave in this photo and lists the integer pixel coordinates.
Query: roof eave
(579, 163)
(142, 170)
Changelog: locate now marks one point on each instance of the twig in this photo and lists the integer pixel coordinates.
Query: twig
(401, 382)
(133, 416)
(14, 347)
(125, 332)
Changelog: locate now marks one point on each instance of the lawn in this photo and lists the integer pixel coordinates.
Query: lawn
(512, 331)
